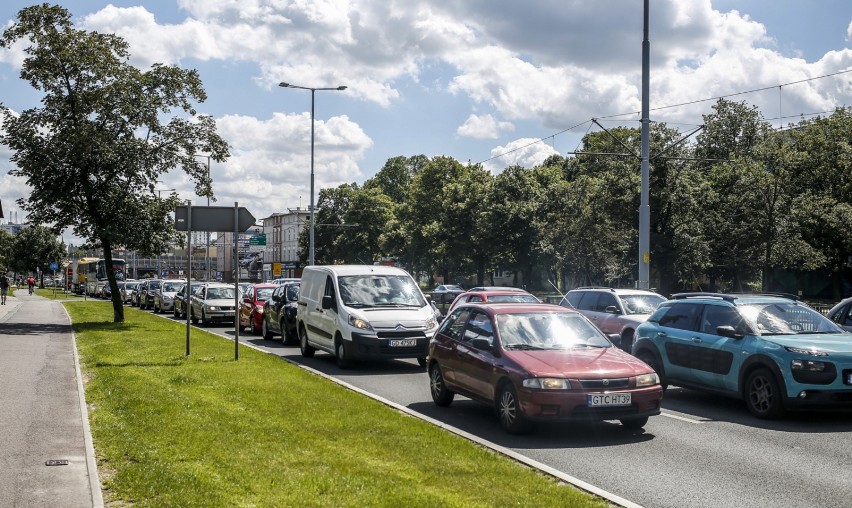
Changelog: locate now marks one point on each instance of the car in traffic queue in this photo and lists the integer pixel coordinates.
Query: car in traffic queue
(127, 290)
(279, 313)
(616, 312)
(284, 280)
(252, 306)
(495, 296)
(179, 305)
(842, 314)
(774, 352)
(147, 292)
(212, 302)
(538, 363)
(164, 296)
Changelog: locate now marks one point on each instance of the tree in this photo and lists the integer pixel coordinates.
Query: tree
(34, 249)
(366, 218)
(94, 150)
(6, 241)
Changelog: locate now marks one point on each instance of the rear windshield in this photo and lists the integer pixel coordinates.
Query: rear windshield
(641, 304)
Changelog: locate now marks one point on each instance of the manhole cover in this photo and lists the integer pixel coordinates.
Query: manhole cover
(56, 462)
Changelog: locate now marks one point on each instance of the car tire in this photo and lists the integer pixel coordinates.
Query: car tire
(763, 395)
(441, 395)
(649, 358)
(634, 423)
(627, 338)
(204, 318)
(192, 317)
(340, 355)
(175, 312)
(306, 349)
(286, 335)
(265, 331)
(509, 410)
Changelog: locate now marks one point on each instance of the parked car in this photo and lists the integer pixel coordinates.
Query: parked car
(136, 295)
(179, 304)
(616, 312)
(448, 288)
(127, 290)
(279, 313)
(251, 306)
(775, 353)
(494, 296)
(164, 296)
(147, 292)
(284, 280)
(213, 301)
(539, 363)
(842, 314)
(363, 312)
(497, 288)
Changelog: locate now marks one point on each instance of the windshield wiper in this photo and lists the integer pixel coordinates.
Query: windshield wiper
(524, 347)
(395, 305)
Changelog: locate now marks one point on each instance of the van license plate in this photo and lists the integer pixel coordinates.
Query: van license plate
(402, 342)
(608, 399)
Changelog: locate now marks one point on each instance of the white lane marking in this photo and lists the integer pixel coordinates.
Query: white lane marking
(681, 418)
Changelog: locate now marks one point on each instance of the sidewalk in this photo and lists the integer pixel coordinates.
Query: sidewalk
(42, 409)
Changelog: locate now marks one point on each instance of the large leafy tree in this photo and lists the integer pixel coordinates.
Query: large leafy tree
(34, 249)
(102, 137)
(6, 240)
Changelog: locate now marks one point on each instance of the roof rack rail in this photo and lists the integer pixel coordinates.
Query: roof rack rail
(770, 293)
(595, 287)
(723, 296)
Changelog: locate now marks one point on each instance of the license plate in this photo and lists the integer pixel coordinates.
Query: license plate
(402, 342)
(608, 399)
(228, 314)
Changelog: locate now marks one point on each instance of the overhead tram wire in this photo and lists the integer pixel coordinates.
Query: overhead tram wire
(689, 103)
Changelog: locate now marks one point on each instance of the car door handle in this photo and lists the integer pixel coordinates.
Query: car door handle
(697, 340)
(662, 334)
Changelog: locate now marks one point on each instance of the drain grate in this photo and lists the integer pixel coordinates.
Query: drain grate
(56, 462)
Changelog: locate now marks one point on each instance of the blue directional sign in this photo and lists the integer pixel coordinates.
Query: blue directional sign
(54, 266)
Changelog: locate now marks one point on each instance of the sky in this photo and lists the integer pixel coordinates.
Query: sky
(483, 81)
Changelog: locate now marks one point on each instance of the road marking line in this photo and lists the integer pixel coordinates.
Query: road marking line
(681, 418)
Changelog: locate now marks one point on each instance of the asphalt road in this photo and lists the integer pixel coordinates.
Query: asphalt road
(704, 450)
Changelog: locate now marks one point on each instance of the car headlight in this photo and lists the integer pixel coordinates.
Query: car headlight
(803, 351)
(212, 308)
(431, 323)
(648, 379)
(359, 323)
(547, 383)
(807, 365)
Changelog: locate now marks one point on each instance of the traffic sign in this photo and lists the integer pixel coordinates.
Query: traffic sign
(54, 266)
(213, 218)
(257, 240)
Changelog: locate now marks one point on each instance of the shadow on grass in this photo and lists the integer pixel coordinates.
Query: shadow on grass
(106, 326)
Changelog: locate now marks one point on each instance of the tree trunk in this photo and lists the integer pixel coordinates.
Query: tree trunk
(117, 304)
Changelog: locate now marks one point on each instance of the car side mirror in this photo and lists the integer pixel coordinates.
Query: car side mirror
(246, 300)
(480, 343)
(612, 309)
(327, 302)
(729, 331)
(614, 338)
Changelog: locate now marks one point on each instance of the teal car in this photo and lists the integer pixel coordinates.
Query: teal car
(774, 352)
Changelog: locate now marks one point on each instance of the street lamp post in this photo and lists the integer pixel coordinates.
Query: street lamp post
(313, 94)
(207, 241)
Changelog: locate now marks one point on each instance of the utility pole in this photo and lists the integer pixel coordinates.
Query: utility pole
(644, 206)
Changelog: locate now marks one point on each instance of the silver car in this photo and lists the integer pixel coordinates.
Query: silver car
(842, 314)
(164, 298)
(616, 312)
(214, 301)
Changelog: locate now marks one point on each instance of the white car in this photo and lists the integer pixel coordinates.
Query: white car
(164, 298)
(213, 301)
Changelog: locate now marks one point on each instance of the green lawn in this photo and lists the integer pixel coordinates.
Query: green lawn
(210, 431)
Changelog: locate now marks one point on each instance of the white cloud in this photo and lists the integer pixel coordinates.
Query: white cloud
(483, 127)
(526, 152)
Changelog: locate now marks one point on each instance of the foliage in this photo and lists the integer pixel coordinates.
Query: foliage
(95, 149)
(6, 240)
(34, 248)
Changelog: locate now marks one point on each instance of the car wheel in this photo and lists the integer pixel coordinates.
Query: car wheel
(509, 410)
(265, 330)
(441, 395)
(157, 308)
(763, 395)
(204, 318)
(649, 358)
(286, 334)
(340, 356)
(627, 337)
(192, 317)
(307, 350)
(634, 423)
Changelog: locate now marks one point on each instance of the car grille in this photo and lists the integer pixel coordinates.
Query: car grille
(401, 334)
(611, 384)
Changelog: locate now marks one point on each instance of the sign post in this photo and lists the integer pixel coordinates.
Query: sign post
(237, 281)
(188, 301)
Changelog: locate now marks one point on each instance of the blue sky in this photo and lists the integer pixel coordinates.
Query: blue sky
(478, 80)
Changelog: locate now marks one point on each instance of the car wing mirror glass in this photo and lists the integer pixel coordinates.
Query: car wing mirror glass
(612, 309)
(729, 331)
(614, 338)
(481, 343)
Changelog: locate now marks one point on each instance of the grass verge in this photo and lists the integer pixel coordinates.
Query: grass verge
(205, 430)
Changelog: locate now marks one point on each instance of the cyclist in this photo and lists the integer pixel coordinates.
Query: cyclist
(31, 284)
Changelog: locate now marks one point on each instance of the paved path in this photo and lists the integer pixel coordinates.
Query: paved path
(42, 409)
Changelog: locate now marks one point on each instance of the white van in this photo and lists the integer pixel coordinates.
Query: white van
(363, 312)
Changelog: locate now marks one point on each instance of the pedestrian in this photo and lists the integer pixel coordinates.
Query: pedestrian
(4, 287)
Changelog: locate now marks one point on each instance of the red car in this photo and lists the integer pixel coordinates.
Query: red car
(539, 363)
(251, 307)
(495, 295)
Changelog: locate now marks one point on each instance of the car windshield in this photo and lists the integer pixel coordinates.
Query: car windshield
(264, 293)
(521, 298)
(154, 285)
(171, 287)
(548, 330)
(379, 291)
(292, 293)
(641, 304)
(220, 293)
(786, 319)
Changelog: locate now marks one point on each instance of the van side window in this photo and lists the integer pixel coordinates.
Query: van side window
(329, 291)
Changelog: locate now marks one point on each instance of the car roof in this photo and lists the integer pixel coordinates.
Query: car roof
(618, 291)
(516, 308)
(497, 288)
(737, 298)
(494, 292)
(343, 270)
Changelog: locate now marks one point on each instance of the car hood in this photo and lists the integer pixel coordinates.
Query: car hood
(580, 363)
(170, 294)
(407, 317)
(219, 302)
(830, 343)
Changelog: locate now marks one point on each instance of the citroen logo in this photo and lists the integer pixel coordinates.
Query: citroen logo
(399, 326)
(605, 382)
